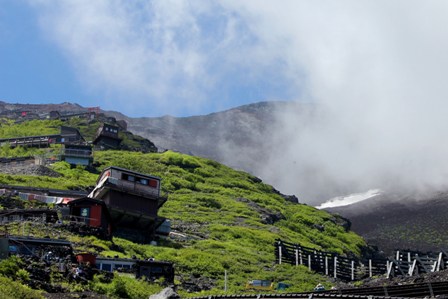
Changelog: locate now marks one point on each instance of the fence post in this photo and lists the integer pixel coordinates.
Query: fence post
(326, 265)
(370, 268)
(389, 266)
(225, 280)
(439, 261)
(335, 266)
(353, 270)
(309, 261)
(301, 257)
(280, 252)
(297, 257)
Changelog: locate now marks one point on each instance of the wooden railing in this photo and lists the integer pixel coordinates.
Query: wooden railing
(345, 268)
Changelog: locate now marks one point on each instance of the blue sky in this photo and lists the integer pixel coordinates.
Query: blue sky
(144, 59)
(33, 70)
(376, 68)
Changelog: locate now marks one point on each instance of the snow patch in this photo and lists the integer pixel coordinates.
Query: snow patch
(349, 199)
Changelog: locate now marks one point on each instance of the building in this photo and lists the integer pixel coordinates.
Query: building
(150, 269)
(133, 199)
(91, 212)
(30, 141)
(54, 114)
(43, 215)
(77, 154)
(70, 135)
(43, 248)
(153, 269)
(67, 135)
(107, 137)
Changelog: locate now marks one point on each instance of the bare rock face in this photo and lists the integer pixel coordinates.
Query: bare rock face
(240, 137)
(6, 108)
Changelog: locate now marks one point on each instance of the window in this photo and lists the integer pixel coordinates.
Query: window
(85, 212)
(143, 181)
(128, 177)
(153, 183)
(106, 267)
(156, 270)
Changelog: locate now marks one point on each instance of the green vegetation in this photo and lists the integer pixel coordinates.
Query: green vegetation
(9, 129)
(11, 279)
(124, 286)
(225, 220)
(11, 289)
(71, 178)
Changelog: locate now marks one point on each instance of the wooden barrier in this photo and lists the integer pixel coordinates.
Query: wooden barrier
(332, 264)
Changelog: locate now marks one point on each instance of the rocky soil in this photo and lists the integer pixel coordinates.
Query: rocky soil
(36, 170)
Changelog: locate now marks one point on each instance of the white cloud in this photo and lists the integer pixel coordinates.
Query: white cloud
(146, 51)
(377, 69)
(172, 55)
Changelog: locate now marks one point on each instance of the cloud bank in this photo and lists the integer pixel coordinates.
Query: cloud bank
(173, 56)
(375, 70)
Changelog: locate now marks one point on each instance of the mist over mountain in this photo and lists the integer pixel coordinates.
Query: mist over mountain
(314, 151)
(251, 138)
(394, 221)
(241, 137)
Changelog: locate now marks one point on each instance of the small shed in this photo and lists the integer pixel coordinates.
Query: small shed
(91, 212)
(70, 135)
(153, 269)
(107, 137)
(41, 247)
(55, 114)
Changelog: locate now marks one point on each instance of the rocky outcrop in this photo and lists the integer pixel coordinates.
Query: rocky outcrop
(267, 216)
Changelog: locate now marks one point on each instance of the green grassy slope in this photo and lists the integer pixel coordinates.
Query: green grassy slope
(228, 220)
(219, 209)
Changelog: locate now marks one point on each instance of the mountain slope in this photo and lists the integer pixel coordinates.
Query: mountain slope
(223, 219)
(397, 221)
(240, 137)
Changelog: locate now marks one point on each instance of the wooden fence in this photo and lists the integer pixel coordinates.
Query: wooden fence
(345, 268)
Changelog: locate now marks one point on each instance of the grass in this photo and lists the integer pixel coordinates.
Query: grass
(219, 211)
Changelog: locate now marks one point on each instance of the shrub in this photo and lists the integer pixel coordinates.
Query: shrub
(10, 289)
(10, 266)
